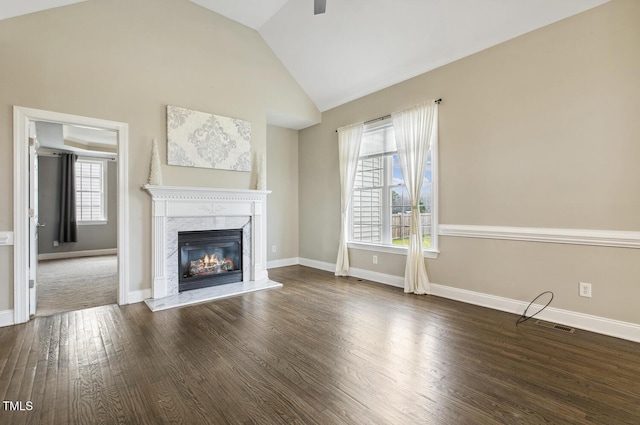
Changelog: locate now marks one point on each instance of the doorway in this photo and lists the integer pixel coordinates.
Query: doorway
(26, 218)
(79, 270)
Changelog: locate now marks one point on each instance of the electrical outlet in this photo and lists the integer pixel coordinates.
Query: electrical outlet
(273, 248)
(375, 259)
(585, 289)
(55, 243)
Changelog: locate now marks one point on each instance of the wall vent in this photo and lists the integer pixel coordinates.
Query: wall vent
(562, 328)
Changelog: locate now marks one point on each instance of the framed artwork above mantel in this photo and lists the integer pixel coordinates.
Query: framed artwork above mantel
(204, 140)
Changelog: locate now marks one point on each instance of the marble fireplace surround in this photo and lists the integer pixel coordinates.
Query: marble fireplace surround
(177, 209)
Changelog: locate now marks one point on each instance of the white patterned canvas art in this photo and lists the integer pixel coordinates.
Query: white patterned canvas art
(199, 139)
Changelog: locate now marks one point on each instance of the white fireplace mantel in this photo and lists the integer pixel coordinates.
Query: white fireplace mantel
(193, 203)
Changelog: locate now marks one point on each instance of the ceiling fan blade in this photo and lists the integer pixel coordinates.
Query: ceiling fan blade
(319, 6)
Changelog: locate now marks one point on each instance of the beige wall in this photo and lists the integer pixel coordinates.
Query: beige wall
(540, 131)
(282, 202)
(124, 61)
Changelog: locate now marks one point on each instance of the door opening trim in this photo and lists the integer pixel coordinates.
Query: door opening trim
(21, 118)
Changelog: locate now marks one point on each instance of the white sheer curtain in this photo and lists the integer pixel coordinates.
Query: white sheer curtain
(349, 139)
(416, 129)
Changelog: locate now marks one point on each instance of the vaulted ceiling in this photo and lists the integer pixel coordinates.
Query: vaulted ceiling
(360, 46)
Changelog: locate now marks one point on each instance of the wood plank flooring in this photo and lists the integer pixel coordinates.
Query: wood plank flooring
(322, 350)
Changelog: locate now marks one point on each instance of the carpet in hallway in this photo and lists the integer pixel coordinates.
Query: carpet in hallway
(76, 283)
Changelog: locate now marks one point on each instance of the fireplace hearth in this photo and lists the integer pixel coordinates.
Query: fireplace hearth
(209, 258)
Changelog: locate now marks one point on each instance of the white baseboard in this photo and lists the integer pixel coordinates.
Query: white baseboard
(77, 254)
(321, 265)
(139, 295)
(601, 325)
(387, 279)
(6, 318)
(283, 262)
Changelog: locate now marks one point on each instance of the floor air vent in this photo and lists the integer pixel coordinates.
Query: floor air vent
(555, 326)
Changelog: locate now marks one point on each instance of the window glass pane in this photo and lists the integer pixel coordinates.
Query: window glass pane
(89, 190)
(400, 200)
(396, 171)
(425, 213)
(381, 208)
(378, 141)
(367, 215)
(400, 215)
(369, 172)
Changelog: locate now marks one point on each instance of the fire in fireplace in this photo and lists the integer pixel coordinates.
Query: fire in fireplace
(208, 258)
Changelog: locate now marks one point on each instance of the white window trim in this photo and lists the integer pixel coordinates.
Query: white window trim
(433, 251)
(105, 192)
(92, 223)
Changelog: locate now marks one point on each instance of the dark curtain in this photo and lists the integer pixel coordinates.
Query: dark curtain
(68, 226)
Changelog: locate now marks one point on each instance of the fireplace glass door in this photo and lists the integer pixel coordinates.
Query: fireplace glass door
(208, 258)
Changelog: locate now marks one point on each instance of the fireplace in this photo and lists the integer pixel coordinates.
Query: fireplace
(209, 258)
(197, 210)
(193, 209)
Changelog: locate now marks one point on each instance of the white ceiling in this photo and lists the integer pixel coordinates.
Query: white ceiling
(360, 46)
(81, 140)
(90, 139)
(252, 13)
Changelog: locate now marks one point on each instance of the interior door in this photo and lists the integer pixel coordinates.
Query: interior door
(33, 217)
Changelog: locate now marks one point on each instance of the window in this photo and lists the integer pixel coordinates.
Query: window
(381, 209)
(90, 191)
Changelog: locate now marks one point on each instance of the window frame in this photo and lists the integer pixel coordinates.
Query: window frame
(104, 207)
(431, 252)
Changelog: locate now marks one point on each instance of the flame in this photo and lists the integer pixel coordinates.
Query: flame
(210, 264)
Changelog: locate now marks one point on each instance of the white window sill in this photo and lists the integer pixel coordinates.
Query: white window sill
(92, 223)
(391, 249)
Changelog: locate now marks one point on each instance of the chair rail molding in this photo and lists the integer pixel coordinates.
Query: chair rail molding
(6, 238)
(610, 238)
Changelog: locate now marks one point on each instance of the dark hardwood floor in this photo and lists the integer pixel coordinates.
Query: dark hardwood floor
(322, 350)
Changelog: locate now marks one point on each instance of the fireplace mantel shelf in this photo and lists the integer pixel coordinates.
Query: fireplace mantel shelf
(176, 209)
(189, 192)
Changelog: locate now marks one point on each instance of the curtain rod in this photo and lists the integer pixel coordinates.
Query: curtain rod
(51, 153)
(389, 116)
